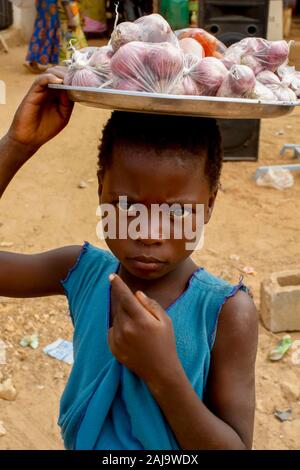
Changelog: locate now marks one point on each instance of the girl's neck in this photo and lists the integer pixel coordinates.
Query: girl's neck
(166, 288)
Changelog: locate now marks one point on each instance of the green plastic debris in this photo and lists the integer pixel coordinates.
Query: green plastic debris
(281, 349)
(30, 340)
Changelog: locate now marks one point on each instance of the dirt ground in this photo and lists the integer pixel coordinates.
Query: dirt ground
(43, 208)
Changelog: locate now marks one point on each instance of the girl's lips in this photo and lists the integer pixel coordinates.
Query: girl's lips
(145, 263)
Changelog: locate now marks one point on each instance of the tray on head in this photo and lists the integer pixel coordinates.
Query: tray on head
(202, 106)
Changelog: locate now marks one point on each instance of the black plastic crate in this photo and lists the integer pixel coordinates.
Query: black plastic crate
(6, 14)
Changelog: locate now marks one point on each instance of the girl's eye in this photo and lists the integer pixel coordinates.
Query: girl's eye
(180, 212)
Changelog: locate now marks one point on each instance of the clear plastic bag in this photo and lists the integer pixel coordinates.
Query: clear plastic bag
(208, 74)
(156, 68)
(258, 54)
(211, 45)
(239, 83)
(279, 88)
(262, 92)
(278, 178)
(151, 29)
(89, 67)
(291, 77)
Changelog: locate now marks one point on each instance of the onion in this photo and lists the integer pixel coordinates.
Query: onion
(69, 77)
(253, 63)
(239, 83)
(262, 92)
(279, 88)
(128, 85)
(190, 46)
(268, 78)
(156, 29)
(87, 78)
(277, 54)
(208, 75)
(100, 61)
(233, 55)
(211, 45)
(125, 32)
(81, 57)
(128, 61)
(189, 86)
(257, 53)
(165, 60)
(284, 93)
(291, 77)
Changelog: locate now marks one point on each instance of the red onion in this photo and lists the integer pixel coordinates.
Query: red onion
(208, 75)
(239, 82)
(262, 92)
(190, 46)
(128, 61)
(124, 33)
(279, 88)
(86, 78)
(156, 29)
(164, 60)
(189, 86)
(100, 61)
(128, 85)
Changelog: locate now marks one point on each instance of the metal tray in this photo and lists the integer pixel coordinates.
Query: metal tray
(204, 106)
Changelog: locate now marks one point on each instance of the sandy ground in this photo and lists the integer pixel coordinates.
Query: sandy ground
(43, 208)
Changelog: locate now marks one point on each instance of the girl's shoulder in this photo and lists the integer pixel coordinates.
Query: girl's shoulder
(209, 281)
(90, 255)
(91, 270)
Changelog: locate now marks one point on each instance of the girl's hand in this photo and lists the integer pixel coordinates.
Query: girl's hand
(43, 113)
(142, 336)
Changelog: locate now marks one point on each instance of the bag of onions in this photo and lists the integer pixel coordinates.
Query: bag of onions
(258, 54)
(147, 56)
(89, 67)
(151, 28)
(140, 66)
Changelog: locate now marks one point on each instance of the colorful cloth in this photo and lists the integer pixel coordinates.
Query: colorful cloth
(44, 44)
(70, 36)
(94, 16)
(105, 406)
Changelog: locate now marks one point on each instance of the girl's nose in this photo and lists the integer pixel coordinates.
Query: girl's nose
(154, 232)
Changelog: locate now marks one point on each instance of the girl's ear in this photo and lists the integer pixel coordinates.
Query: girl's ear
(210, 206)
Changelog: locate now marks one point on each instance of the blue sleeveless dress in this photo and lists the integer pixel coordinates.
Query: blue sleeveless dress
(105, 406)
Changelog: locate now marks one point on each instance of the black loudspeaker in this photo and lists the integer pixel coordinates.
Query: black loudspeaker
(230, 21)
(6, 14)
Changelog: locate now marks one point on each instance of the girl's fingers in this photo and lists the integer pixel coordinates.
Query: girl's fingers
(124, 296)
(151, 305)
(44, 80)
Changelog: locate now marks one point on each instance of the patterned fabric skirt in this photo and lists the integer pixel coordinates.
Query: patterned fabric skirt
(50, 42)
(68, 37)
(44, 44)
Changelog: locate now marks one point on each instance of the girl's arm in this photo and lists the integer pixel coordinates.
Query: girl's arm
(42, 114)
(228, 422)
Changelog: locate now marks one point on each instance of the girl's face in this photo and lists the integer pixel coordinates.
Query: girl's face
(146, 178)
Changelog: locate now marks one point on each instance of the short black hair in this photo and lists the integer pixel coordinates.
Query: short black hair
(195, 136)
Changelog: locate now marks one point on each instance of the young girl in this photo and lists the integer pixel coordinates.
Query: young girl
(164, 352)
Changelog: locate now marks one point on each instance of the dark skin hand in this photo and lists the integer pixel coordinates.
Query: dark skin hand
(142, 336)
